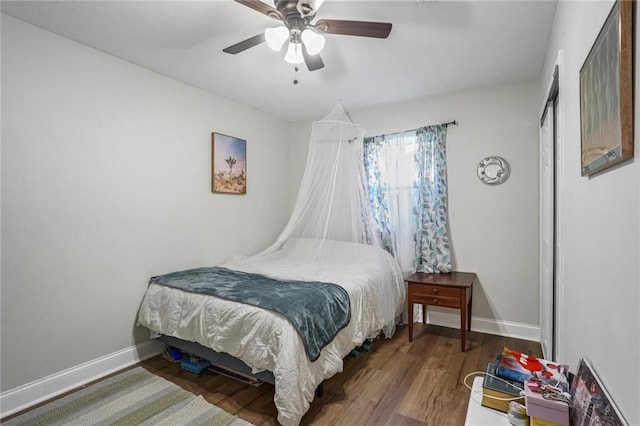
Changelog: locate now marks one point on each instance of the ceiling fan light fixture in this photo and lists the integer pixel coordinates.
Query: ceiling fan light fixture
(275, 37)
(294, 54)
(305, 34)
(313, 41)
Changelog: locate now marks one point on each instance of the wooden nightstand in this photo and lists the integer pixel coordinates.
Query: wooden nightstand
(450, 290)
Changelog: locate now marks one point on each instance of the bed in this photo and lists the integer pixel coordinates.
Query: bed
(265, 340)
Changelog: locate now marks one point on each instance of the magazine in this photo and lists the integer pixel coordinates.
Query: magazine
(591, 404)
(520, 367)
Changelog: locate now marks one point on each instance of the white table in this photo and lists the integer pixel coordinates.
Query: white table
(477, 415)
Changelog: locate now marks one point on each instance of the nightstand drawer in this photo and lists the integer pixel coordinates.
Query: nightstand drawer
(433, 290)
(447, 302)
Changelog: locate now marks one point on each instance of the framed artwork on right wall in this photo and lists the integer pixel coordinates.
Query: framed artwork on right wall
(606, 94)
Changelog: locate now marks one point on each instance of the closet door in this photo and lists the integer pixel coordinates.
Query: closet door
(547, 243)
(549, 295)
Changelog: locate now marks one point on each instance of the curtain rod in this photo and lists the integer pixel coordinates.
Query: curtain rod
(447, 124)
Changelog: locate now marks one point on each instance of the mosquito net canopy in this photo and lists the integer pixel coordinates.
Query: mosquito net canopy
(333, 202)
(331, 213)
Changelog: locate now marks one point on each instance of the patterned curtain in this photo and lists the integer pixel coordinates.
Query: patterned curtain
(378, 191)
(430, 201)
(406, 174)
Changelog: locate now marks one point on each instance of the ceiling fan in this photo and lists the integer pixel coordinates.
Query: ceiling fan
(305, 38)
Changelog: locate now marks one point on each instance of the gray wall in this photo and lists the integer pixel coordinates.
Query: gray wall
(494, 229)
(599, 225)
(105, 182)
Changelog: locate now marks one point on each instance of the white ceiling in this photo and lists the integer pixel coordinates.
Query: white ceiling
(434, 47)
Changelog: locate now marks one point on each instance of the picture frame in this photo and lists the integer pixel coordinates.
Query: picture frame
(591, 403)
(606, 94)
(228, 164)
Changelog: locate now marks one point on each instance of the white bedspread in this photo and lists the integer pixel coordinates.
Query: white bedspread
(265, 340)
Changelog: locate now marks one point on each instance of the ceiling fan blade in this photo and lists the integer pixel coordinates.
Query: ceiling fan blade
(314, 62)
(355, 28)
(262, 7)
(245, 44)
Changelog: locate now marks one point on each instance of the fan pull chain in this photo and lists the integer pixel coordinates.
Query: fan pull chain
(295, 75)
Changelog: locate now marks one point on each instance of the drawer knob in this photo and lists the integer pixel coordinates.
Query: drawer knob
(435, 300)
(435, 291)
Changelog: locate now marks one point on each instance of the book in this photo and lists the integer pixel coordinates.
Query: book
(514, 365)
(493, 387)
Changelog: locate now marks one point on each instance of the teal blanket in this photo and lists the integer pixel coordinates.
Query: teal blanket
(317, 310)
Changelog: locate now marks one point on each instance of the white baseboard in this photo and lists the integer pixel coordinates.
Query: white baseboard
(27, 395)
(485, 325)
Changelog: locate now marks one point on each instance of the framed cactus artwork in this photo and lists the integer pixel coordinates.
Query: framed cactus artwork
(228, 164)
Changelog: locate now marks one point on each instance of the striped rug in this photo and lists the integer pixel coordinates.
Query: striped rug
(134, 397)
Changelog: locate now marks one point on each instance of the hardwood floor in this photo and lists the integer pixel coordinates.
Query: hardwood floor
(397, 383)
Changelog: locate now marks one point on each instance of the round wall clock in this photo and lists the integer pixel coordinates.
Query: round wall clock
(493, 170)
